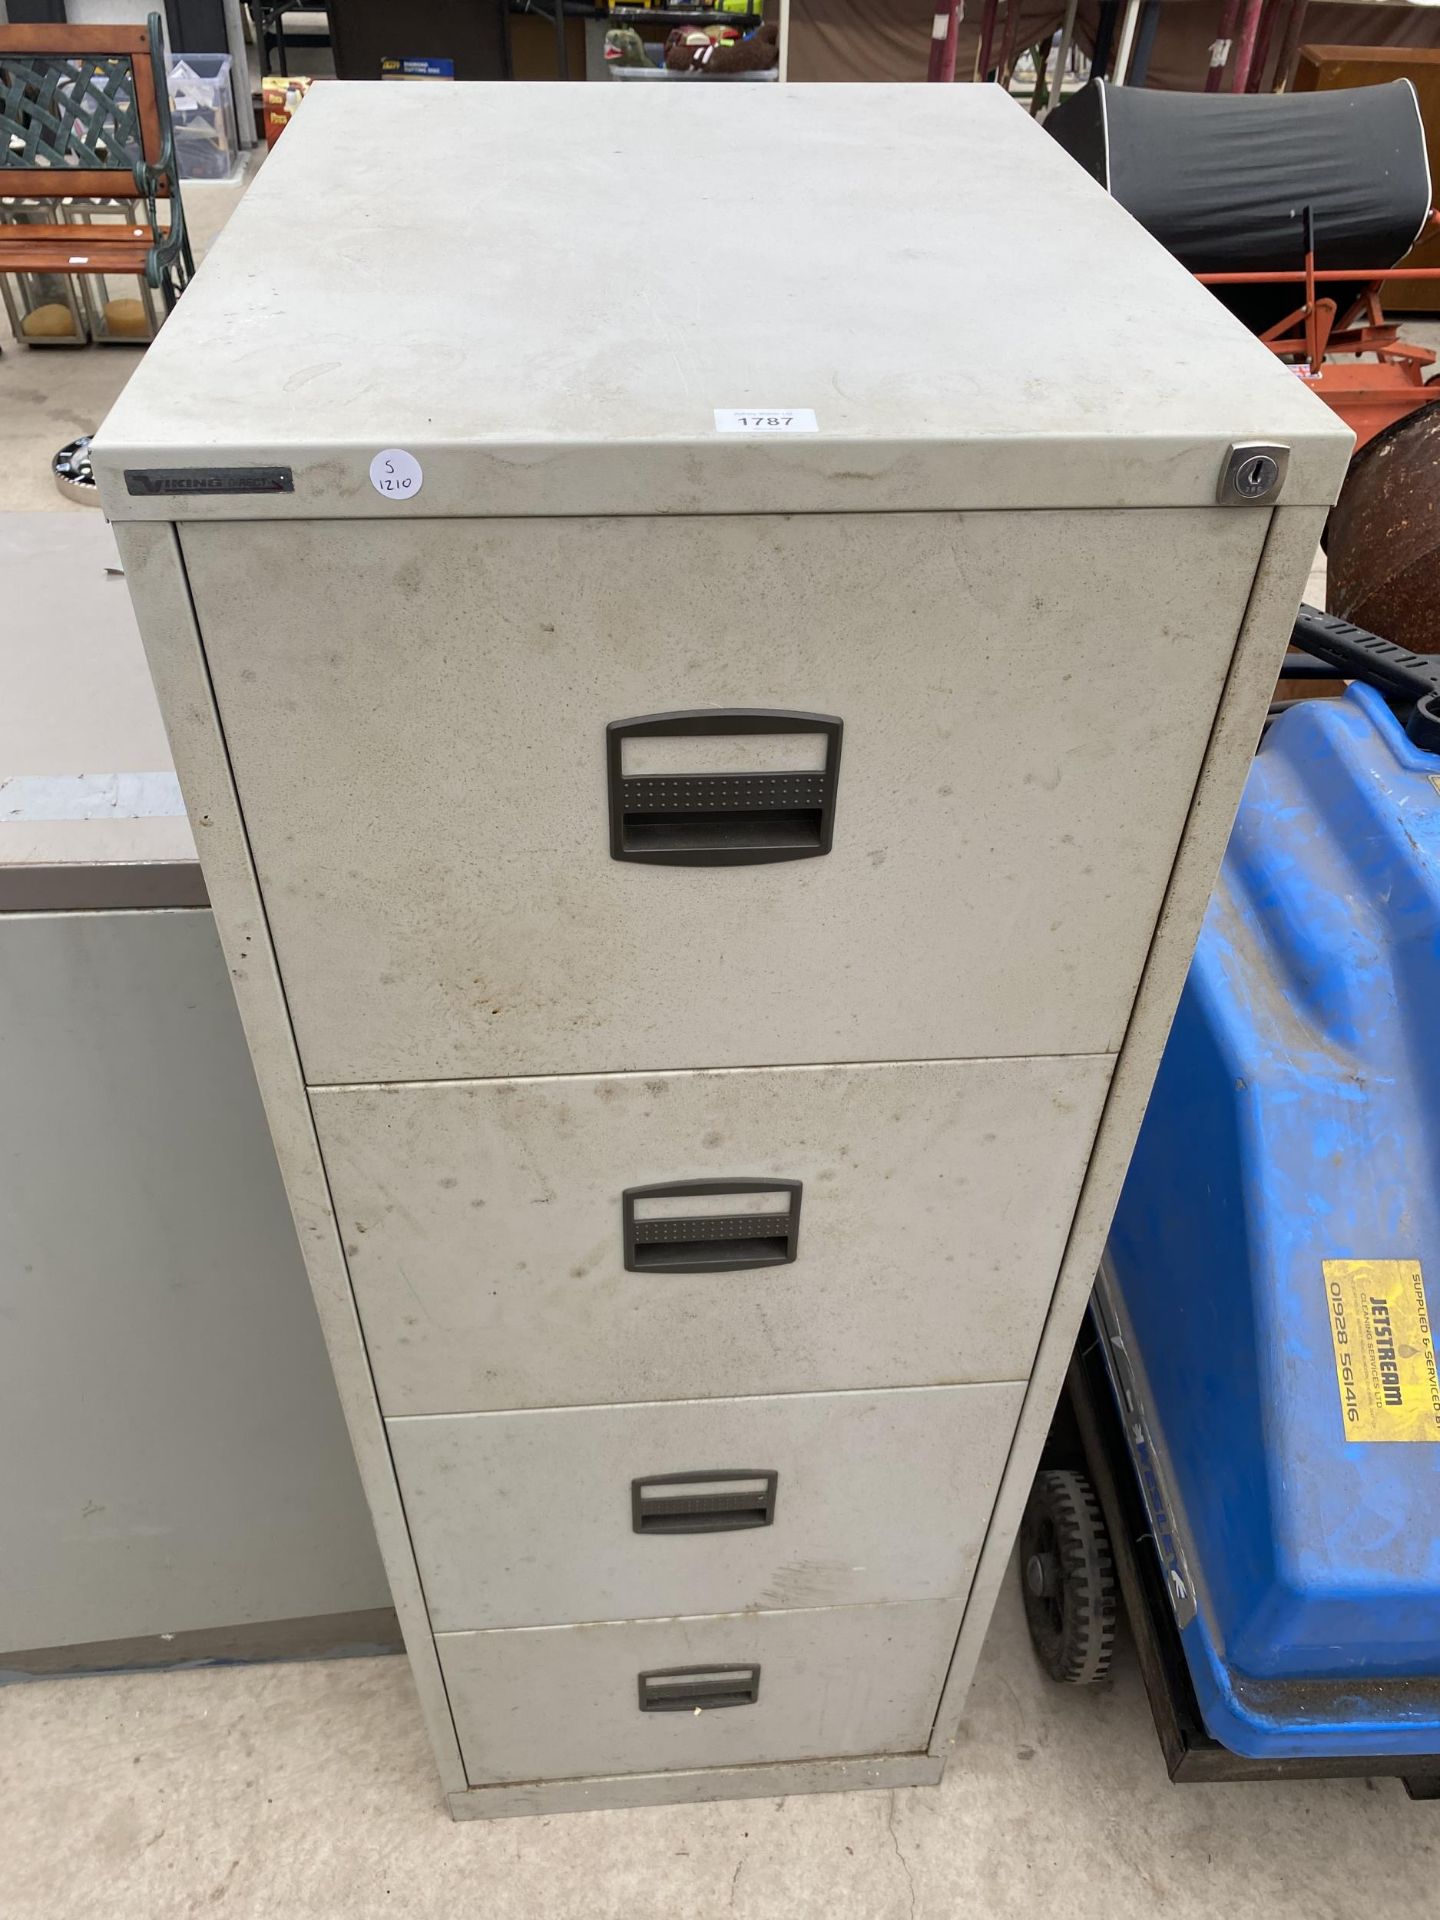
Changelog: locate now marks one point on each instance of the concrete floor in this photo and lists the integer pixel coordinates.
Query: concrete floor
(306, 1793)
(307, 1790)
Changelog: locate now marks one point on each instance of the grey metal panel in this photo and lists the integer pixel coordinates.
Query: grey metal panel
(423, 777)
(875, 1774)
(949, 363)
(557, 1703)
(524, 1519)
(174, 1454)
(482, 1221)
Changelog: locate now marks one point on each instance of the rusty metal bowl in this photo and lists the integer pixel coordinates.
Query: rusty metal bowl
(1383, 540)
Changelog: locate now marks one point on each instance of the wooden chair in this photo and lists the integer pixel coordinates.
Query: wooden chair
(85, 113)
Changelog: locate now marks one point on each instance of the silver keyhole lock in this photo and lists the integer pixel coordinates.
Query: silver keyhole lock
(1254, 473)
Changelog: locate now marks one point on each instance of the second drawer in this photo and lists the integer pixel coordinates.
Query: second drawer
(487, 1228)
(575, 1514)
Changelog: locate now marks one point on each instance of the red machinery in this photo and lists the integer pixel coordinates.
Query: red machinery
(1266, 197)
(1325, 337)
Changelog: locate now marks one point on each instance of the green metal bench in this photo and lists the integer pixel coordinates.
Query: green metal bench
(85, 113)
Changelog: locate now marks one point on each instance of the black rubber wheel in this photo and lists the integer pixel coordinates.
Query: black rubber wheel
(1067, 1574)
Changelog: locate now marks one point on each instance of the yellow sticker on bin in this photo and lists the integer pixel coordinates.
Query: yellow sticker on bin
(1384, 1349)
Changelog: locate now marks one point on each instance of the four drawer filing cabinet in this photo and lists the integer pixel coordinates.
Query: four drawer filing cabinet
(711, 646)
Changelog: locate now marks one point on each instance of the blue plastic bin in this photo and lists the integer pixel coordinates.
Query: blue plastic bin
(1283, 1401)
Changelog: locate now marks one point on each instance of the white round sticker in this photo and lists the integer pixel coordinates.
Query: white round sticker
(396, 474)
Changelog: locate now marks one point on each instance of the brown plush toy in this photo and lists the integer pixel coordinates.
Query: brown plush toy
(692, 50)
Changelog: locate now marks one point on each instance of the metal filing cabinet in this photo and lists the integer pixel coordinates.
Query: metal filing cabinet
(709, 737)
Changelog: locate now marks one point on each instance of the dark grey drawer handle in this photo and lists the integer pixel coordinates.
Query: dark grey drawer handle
(719, 1500)
(722, 819)
(671, 1242)
(698, 1689)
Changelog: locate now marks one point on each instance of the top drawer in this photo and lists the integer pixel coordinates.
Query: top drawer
(417, 716)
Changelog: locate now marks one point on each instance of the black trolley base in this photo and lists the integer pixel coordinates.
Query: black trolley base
(1087, 1434)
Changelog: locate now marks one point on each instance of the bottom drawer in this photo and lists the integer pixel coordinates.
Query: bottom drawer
(560, 1703)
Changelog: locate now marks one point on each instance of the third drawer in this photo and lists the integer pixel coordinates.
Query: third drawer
(485, 1227)
(702, 1506)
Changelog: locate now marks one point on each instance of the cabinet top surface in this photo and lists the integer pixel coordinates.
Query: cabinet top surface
(544, 294)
